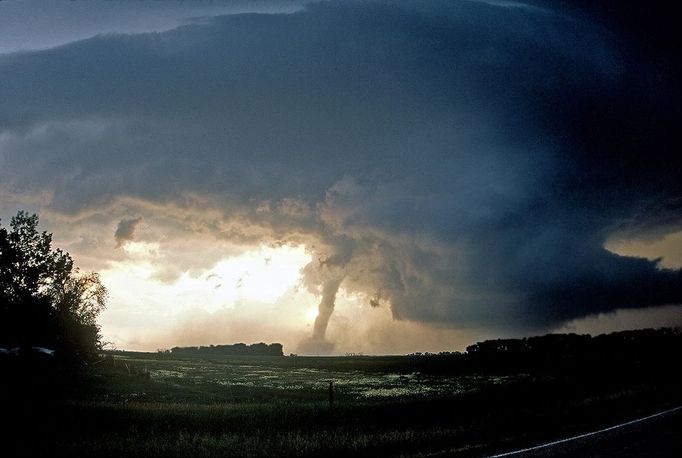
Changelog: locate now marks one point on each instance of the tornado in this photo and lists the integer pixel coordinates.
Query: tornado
(326, 307)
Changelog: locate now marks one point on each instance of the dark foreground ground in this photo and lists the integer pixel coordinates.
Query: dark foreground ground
(154, 405)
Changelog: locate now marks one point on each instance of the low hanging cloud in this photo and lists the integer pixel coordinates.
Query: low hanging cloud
(463, 163)
(125, 230)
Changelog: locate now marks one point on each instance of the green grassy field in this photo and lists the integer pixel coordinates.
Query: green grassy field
(273, 379)
(153, 405)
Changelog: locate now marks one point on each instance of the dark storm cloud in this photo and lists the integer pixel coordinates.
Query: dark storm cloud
(462, 161)
(36, 24)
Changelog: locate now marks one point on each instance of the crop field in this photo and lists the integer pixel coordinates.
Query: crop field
(303, 378)
(157, 405)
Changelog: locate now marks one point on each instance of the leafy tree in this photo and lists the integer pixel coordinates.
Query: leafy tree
(44, 299)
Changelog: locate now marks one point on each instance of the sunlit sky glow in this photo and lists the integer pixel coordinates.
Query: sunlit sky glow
(256, 279)
(364, 176)
(262, 275)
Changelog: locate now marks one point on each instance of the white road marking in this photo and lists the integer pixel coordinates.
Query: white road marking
(580, 436)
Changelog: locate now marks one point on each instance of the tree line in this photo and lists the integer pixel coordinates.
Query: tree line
(633, 350)
(238, 349)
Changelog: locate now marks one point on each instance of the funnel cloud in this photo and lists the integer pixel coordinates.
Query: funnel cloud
(326, 308)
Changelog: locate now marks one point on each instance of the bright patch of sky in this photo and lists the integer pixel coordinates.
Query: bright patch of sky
(256, 279)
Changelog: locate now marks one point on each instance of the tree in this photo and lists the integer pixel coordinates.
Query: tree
(44, 299)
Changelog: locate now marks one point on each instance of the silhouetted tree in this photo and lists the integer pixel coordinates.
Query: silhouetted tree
(44, 299)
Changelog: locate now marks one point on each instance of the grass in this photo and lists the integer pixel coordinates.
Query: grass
(153, 405)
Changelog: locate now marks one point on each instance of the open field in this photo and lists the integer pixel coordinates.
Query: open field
(304, 378)
(147, 404)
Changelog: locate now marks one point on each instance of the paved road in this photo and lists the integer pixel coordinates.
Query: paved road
(659, 437)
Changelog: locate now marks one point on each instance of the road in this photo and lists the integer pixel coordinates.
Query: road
(658, 436)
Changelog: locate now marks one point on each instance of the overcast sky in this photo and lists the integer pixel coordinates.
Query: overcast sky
(426, 172)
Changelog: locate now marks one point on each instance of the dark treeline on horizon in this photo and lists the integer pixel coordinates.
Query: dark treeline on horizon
(639, 340)
(632, 350)
(238, 349)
